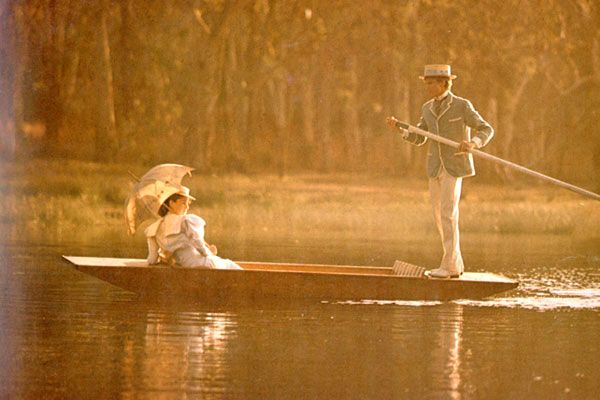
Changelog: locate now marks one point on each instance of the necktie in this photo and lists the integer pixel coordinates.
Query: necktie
(437, 105)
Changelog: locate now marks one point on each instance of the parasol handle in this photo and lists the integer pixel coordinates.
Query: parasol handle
(133, 176)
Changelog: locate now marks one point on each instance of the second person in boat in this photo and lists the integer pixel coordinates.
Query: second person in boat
(178, 237)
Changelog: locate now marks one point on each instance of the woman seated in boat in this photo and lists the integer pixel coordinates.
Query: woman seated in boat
(178, 237)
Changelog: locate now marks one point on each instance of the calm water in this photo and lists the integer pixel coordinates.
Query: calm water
(67, 335)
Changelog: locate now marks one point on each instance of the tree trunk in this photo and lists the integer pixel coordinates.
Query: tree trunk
(8, 79)
(124, 82)
(506, 116)
(308, 121)
(52, 109)
(401, 100)
(107, 143)
(354, 153)
(323, 123)
(278, 94)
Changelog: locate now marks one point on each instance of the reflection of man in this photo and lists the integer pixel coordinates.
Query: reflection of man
(452, 117)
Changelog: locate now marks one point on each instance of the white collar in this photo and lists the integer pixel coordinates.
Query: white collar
(443, 95)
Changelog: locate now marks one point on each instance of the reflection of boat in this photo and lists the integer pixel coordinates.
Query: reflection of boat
(285, 282)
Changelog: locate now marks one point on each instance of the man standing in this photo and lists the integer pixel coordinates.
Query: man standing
(454, 118)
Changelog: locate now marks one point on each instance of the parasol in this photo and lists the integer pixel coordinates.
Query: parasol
(152, 189)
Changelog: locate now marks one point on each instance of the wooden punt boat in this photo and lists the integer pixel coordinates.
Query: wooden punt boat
(262, 281)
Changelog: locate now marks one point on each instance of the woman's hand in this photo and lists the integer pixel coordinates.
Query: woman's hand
(212, 248)
(166, 257)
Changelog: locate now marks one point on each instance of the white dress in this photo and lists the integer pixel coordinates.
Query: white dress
(183, 237)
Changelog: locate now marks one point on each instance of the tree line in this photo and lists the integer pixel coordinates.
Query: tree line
(295, 85)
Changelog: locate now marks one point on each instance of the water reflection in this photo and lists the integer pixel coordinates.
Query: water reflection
(179, 352)
(450, 343)
(446, 373)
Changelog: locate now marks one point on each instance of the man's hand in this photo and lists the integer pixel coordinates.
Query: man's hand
(391, 122)
(466, 147)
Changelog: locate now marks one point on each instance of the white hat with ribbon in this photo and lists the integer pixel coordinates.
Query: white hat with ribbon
(167, 190)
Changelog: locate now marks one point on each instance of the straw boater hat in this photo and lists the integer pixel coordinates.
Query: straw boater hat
(437, 71)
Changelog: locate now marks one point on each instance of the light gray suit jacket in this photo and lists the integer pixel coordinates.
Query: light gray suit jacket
(456, 119)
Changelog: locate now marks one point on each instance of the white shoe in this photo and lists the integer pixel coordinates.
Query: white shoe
(443, 274)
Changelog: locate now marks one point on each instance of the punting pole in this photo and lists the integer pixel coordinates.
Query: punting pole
(499, 160)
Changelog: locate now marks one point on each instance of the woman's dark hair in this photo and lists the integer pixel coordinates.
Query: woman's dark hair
(164, 207)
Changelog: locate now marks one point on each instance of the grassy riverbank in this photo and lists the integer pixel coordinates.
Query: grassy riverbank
(67, 199)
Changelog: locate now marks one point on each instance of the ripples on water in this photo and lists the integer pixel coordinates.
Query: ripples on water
(541, 289)
(564, 285)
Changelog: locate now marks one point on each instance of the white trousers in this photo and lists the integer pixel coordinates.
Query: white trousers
(445, 195)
